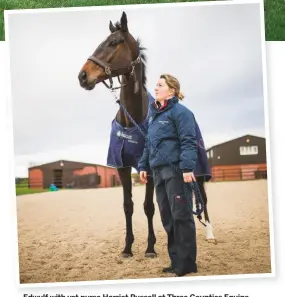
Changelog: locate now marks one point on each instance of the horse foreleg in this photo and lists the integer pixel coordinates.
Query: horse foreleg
(126, 180)
(149, 212)
(209, 228)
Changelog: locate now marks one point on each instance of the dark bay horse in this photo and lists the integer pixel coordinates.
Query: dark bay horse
(121, 55)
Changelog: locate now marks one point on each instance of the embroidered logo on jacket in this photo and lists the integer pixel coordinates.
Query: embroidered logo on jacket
(163, 122)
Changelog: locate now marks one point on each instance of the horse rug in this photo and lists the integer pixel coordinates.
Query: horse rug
(202, 165)
(126, 145)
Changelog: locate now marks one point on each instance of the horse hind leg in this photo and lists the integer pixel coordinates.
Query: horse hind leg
(126, 180)
(209, 228)
(149, 212)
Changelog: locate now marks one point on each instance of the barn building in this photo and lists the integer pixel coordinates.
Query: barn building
(242, 158)
(69, 174)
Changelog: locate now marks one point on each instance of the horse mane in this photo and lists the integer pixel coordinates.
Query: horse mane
(143, 62)
(142, 54)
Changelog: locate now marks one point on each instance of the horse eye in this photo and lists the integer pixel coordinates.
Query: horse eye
(113, 43)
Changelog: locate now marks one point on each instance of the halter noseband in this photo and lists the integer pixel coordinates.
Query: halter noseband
(115, 72)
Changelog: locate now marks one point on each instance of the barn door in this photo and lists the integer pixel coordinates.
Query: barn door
(57, 178)
(113, 180)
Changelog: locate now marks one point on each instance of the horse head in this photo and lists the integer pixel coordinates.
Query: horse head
(117, 55)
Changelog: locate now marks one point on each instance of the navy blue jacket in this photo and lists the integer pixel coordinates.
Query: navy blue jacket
(172, 131)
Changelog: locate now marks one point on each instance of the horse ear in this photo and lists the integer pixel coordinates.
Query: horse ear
(124, 22)
(112, 27)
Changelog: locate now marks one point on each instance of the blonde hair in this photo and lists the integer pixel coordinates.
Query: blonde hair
(174, 84)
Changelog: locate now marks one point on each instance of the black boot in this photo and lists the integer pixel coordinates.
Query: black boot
(180, 273)
(168, 269)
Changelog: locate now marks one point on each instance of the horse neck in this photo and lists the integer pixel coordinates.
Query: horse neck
(135, 103)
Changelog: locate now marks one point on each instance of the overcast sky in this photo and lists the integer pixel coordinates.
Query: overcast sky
(218, 61)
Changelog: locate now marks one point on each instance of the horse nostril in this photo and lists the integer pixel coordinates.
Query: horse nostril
(83, 76)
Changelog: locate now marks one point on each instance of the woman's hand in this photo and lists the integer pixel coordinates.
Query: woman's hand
(143, 176)
(189, 177)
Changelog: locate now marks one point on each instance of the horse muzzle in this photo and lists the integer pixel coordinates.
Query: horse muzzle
(84, 81)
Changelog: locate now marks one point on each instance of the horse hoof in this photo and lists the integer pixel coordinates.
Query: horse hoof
(127, 255)
(150, 255)
(212, 240)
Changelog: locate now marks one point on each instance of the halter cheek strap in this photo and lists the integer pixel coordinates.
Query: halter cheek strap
(117, 72)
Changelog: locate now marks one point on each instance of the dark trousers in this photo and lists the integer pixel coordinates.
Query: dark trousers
(177, 218)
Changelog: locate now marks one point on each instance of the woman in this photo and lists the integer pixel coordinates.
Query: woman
(171, 133)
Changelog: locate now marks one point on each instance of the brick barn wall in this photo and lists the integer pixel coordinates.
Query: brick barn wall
(85, 170)
(236, 172)
(36, 178)
(106, 174)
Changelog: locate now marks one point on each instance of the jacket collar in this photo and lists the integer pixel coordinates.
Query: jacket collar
(170, 104)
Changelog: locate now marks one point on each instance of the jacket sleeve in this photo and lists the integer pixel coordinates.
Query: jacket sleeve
(185, 124)
(143, 162)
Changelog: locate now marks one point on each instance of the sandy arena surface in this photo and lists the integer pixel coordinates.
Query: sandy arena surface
(69, 236)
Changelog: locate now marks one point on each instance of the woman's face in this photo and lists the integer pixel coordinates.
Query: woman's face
(162, 91)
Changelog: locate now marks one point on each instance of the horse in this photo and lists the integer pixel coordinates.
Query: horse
(121, 55)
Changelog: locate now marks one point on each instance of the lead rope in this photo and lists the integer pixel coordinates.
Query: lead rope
(198, 199)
